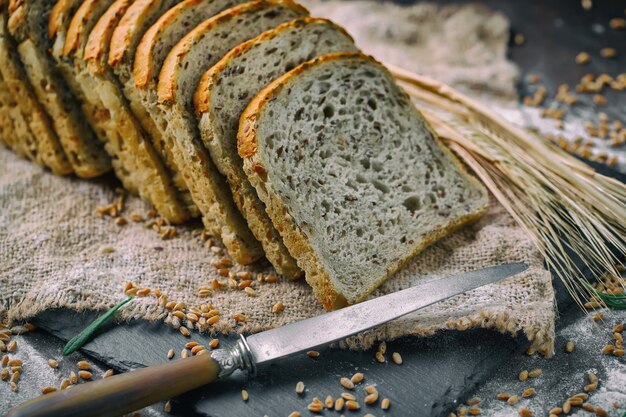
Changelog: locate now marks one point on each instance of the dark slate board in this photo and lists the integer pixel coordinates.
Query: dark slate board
(436, 372)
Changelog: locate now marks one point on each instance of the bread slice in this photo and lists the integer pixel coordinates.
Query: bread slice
(9, 133)
(226, 89)
(45, 143)
(140, 86)
(127, 142)
(180, 73)
(69, 26)
(28, 23)
(352, 175)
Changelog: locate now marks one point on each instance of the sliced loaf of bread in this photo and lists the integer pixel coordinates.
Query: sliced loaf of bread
(28, 23)
(69, 27)
(126, 140)
(352, 175)
(224, 92)
(44, 141)
(140, 87)
(184, 65)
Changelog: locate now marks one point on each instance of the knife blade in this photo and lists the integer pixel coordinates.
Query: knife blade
(134, 390)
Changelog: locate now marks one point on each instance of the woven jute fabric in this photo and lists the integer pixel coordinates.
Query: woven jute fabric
(55, 252)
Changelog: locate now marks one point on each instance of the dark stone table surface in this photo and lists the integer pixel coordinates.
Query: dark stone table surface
(439, 372)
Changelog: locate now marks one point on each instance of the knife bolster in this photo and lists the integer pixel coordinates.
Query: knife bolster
(238, 356)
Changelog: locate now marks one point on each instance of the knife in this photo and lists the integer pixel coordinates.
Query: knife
(134, 390)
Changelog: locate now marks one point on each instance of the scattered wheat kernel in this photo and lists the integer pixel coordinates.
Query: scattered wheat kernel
(535, 373)
(581, 395)
(519, 39)
(65, 383)
(618, 328)
(197, 349)
(569, 347)
(167, 407)
(4, 374)
(523, 376)
(583, 58)
(339, 403)
(618, 352)
(591, 387)
(315, 407)
(53, 363)
(503, 396)
(16, 376)
(588, 407)
(601, 412)
(528, 392)
(85, 374)
(191, 345)
(608, 349)
(213, 320)
(239, 318)
(556, 411)
(346, 383)
(371, 398)
(513, 399)
(170, 354)
(48, 390)
(15, 362)
(184, 331)
(84, 365)
(608, 52)
(5, 360)
(73, 378)
(108, 373)
(380, 357)
(567, 407)
(143, 292)
(352, 405)
(184, 353)
(278, 308)
(382, 347)
(358, 377)
(3, 347)
(313, 354)
(370, 389)
(525, 412)
(329, 402)
(17, 368)
(294, 414)
(347, 396)
(214, 343)
(592, 377)
(244, 395)
(396, 358)
(299, 387)
(598, 317)
(462, 411)
(12, 346)
(452, 415)
(618, 336)
(473, 401)
(369, 415)
(474, 410)
(385, 404)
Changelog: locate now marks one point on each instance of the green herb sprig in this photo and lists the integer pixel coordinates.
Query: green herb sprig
(83, 337)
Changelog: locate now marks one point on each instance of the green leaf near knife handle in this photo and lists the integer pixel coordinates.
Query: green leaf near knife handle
(80, 339)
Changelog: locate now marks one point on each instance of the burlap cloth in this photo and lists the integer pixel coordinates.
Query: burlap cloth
(54, 252)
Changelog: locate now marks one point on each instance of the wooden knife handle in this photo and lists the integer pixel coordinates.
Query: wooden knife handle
(123, 393)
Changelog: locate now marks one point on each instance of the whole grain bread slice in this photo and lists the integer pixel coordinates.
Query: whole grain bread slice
(352, 175)
(126, 140)
(140, 86)
(8, 131)
(184, 65)
(69, 26)
(45, 145)
(224, 92)
(28, 23)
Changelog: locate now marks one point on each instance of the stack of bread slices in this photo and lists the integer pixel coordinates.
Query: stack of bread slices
(265, 122)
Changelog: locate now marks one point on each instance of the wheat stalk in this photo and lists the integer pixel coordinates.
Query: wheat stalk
(562, 203)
